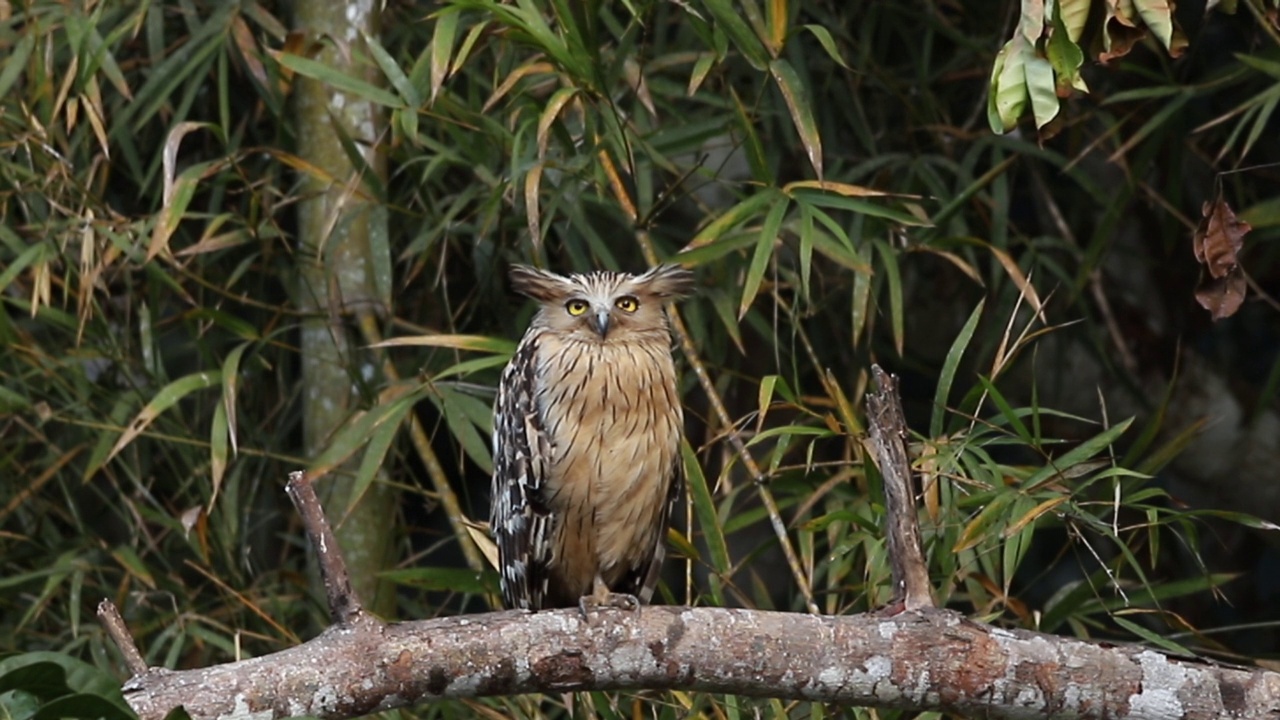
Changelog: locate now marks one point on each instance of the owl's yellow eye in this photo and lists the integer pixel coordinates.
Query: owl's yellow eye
(627, 304)
(576, 307)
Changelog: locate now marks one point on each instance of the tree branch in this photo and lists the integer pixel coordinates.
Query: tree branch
(344, 603)
(111, 621)
(929, 660)
(921, 659)
(888, 430)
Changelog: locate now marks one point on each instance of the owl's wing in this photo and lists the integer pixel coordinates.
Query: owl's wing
(519, 518)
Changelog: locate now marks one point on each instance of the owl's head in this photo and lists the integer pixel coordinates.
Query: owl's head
(604, 306)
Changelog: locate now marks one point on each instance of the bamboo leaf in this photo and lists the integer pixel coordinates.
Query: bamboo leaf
(442, 47)
(776, 22)
(167, 397)
(1076, 455)
(359, 429)
(729, 19)
(373, 458)
(475, 343)
(1007, 413)
(338, 80)
(550, 114)
(393, 72)
(763, 251)
(730, 219)
(894, 277)
(949, 367)
(828, 45)
(15, 62)
(977, 529)
(797, 100)
(708, 521)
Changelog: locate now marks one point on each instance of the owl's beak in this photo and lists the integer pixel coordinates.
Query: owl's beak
(600, 323)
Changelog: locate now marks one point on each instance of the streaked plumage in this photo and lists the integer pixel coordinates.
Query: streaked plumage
(586, 438)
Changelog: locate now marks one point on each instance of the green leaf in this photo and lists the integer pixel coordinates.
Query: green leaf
(176, 202)
(729, 19)
(359, 430)
(981, 528)
(797, 100)
(730, 219)
(1065, 55)
(1269, 67)
(949, 367)
(474, 343)
(394, 74)
(896, 304)
(339, 80)
(860, 312)
(1152, 638)
(459, 580)
(82, 705)
(1007, 413)
(708, 520)
(15, 62)
(464, 414)
(442, 47)
(168, 396)
(1043, 91)
(46, 680)
(828, 45)
(763, 251)
(372, 460)
(1158, 15)
(56, 674)
(1077, 455)
(1008, 91)
(761, 171)
(824, 198)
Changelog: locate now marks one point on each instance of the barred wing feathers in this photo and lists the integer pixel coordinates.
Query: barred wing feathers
(520, 518)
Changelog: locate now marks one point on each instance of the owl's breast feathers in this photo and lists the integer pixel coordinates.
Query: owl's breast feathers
(614, 422)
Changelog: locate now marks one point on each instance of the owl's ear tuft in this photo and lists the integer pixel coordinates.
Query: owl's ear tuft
(537, 284)
(669, 282)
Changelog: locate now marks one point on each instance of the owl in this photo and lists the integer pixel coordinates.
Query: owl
(586, 439)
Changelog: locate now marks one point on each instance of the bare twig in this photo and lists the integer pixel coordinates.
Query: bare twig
(344, 604)
(902, 529)
(111, 621)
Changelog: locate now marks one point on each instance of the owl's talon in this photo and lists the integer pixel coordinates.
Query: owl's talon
(622, 601)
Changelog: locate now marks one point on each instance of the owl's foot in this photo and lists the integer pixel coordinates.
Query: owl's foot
(602, 596)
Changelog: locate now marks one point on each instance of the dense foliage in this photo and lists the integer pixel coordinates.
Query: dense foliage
(827, 170)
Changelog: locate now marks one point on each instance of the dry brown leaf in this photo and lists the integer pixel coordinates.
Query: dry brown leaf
(1222, 297)
(1218, 239)
(1217, 243)
(1122, 29)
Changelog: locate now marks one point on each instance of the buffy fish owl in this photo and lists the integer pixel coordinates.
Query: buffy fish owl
(586, 439)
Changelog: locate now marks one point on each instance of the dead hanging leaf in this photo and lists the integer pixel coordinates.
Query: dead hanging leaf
(1121, 30)
(1222, 297)
(1218, 239)
(1217, 243)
